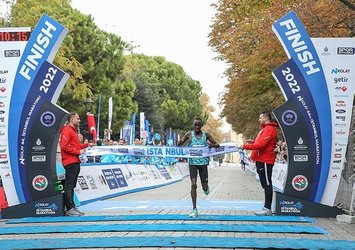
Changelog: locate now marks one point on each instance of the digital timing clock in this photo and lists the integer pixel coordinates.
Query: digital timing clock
(13, 36)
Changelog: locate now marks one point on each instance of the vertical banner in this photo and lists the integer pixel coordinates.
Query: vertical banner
(337, 56)
(36, 81)
(134, 116)
(298, 46)
(147, 128)
(126, 132)
(318, 82)
(12, 45)
(141, 124)
(110, 108)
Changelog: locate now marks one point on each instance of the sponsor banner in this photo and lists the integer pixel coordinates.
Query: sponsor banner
(339, 71)
(98, 181)
(288, 205)
(298, 46)
(39, 171)
(162, 151)
(47, 81)
(301, 158)
(12, 45)
(126, 132)
(42, 46)
(306, 151)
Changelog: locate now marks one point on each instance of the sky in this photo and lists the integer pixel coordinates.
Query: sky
(175, 29)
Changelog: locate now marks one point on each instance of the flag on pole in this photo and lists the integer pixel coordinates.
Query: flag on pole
(141, 124)
(98, 119)
(91, 125)
(133, 128)
(110, 107)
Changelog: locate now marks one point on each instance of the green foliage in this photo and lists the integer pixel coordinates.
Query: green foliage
(242, 36)
(164, 92)
(93, 58)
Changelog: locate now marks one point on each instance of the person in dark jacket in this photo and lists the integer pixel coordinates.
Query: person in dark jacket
(264, 156)
(71, 148)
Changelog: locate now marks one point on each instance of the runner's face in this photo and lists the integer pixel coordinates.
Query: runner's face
(197, 125)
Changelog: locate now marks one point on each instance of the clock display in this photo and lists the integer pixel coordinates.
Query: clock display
(14, 36)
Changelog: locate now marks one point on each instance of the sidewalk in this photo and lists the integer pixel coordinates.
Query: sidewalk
(233, 192)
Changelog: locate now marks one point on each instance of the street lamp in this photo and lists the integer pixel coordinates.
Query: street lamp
(88, 102)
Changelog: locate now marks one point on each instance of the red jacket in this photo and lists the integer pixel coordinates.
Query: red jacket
(70, 145)
(264, 145)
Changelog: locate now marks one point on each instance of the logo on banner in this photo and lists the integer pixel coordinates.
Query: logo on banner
(38, 158)
(340, 117)
(3, 89)
(343, 88)
(337, 144)
(325, 52)
(300, 158)
(346, 51)
(38, 146)
(340, 71)
(40, 183)
(300, 146)
(289, 117)
(299, 183)
(290, 206)
(12, 53)
(47, 119)
(46, 208)
(340, 111)
(342, 79)
(341, 103)
(82, 183)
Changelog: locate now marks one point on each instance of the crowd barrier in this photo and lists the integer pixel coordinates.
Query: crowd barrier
(98, 181)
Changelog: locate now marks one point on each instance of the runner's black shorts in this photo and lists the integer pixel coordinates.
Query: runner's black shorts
(201, 170)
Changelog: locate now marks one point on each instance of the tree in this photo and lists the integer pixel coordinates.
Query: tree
(93, 59)
(242, 36)
(164, 92)
(212, 125)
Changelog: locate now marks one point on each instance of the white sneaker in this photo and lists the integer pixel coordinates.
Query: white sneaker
(265, 211)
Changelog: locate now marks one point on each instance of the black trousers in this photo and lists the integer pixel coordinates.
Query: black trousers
(71, 177)
(264, 171)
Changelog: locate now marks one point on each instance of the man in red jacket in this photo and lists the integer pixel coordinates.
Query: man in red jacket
(264, 156)
(71, 148)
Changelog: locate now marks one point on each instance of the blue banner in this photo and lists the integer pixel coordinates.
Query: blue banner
(48, 81)
(298, 46)
(295, 88)
(42, 46)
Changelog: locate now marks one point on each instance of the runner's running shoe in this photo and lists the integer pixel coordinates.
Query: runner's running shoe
(193, 214)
